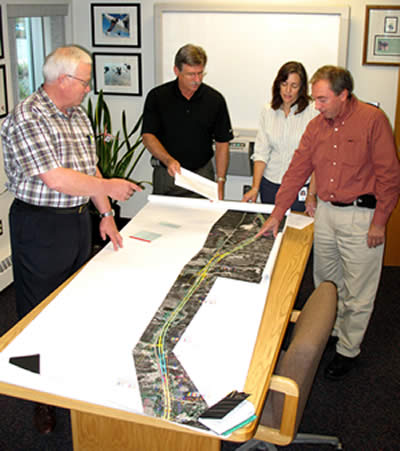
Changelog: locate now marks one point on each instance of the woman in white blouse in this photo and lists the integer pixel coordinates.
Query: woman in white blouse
(282, 124)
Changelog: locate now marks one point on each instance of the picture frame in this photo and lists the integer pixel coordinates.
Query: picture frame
(3, 91)
(116, 24)
(118, 73)
(1, 35)
(382, 35)
(391, 24)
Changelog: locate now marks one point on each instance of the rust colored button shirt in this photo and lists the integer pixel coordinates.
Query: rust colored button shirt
(351, 155)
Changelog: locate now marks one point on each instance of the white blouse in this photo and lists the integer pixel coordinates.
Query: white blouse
(278, 137)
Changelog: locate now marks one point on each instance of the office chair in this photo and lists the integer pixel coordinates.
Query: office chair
(294, 375)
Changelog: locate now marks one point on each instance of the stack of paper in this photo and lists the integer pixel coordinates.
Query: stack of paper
(238, 417)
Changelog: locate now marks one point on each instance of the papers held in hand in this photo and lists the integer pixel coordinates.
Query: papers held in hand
(231, 413)
(196, 183)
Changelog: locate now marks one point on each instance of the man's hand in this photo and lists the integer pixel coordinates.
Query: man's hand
(251, 195)
(109, 229)
(376, 235)
(173, 167)
(270, 225)
(120, 189)
(311, 204)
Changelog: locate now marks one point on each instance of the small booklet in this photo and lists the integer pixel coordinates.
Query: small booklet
(231, 413)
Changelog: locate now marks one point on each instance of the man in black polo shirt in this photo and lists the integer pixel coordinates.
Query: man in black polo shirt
(181, 119)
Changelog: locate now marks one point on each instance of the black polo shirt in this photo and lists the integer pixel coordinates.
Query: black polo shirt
(187, 128)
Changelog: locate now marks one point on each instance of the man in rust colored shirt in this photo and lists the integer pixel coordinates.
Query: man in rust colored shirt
(350, 147)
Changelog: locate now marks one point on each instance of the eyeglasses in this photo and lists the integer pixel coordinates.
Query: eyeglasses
(194, 74)
(84, 83)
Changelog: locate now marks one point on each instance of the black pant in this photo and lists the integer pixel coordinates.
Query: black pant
(268, 192)
(164, 184)
(47, 248)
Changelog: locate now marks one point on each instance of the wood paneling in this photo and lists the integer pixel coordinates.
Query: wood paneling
(392, 249)
(96, 433)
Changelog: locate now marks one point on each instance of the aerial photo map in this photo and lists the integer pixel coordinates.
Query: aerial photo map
(232, 251)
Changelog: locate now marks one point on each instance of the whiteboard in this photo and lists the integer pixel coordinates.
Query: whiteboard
(247, 45)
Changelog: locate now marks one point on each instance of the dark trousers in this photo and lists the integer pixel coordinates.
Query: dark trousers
(164, 184)
(47, 248)
(268, 192)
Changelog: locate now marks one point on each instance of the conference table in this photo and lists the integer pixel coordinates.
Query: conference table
(96, 427)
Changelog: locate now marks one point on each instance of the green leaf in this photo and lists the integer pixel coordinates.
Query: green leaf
(119, 156)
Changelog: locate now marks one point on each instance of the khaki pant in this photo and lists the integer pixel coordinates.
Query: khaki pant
(341, 254)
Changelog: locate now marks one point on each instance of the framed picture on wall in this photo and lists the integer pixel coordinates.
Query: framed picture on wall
(3, 91)
(115, 24)
(118, 73)
(391, 24)
(1, 36)
(382, 35)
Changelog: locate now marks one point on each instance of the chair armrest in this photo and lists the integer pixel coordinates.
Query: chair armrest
(284, 385)
(283, 435)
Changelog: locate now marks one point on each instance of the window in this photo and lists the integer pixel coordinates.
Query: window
(32, 37)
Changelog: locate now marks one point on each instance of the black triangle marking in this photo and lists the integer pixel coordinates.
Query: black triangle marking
(27, 362)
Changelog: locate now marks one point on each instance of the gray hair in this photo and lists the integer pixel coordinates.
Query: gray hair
(338, 77)
(192, 55)
(64, 60)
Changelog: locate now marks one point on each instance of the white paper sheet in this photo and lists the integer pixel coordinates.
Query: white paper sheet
(196, 183)
(86, 335)
(242, 412)
(222, 333)
(298, 221)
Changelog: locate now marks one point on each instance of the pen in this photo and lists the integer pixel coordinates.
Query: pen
(240, 425)
(140, 239)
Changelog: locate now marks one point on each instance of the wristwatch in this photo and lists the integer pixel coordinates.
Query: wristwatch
(107, 213)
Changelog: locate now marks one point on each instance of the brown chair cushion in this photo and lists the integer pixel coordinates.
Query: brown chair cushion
(300, 362)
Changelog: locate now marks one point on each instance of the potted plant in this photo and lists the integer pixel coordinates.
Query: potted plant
(119, 154)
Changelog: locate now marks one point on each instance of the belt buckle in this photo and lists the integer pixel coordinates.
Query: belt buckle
(81, 208)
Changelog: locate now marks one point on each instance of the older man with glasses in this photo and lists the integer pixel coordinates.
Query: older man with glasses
(50, 162)
(181, 120)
